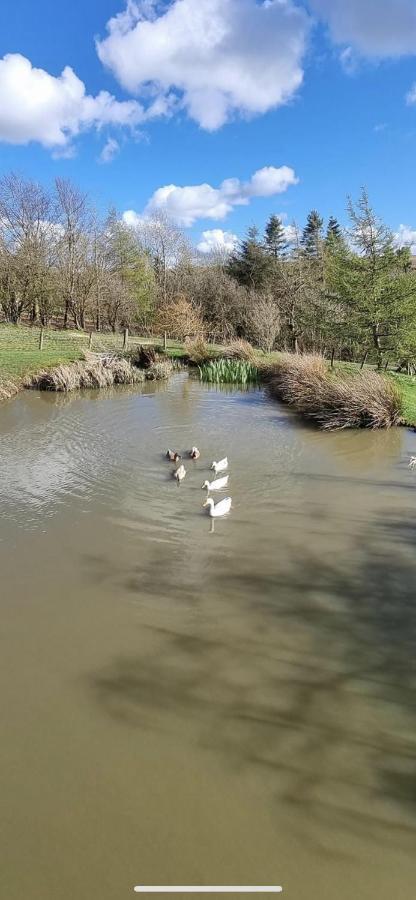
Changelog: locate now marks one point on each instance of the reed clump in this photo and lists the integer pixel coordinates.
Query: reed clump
(229, 371)
(199, 352)
(93, 372)
(335, 400)
(159, 370)
(8, 389)
(97, 371)
(239, 349)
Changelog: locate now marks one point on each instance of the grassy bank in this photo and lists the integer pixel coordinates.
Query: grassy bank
(21, 358)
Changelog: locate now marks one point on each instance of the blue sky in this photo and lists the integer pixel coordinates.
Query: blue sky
(208, 90)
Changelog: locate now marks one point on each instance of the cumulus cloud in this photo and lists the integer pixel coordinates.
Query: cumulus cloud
(405, 236)
(217, 241)
(217, 57)
(37, 106)
(133, 219)
(109, 151)
(374, 28)
(202, 201)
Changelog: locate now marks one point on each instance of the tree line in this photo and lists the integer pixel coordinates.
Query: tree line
(320, 288)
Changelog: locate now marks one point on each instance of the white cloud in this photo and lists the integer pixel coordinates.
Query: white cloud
(405, 236)
(133, 219)
(37, 106)
(217, 241)
(202, 201)
(411, 96)
(109, 151)
(374, 28)
(220, 57)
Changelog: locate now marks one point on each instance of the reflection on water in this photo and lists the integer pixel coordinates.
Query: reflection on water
(189, 706)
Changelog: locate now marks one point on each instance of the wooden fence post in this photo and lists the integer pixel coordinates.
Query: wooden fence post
(364, 359)
(90, 341)
(165, 341)
(126, 338)
(41, 338)
(332, 358)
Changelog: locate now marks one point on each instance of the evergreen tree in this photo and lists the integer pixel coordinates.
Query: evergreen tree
(372, 282)
(312, 234)
(333, 231)
(250, 264)
(275, 242)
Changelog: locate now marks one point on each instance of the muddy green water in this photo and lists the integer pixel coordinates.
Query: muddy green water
(181, 706)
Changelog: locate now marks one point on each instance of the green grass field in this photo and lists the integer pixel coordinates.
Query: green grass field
(20, 354)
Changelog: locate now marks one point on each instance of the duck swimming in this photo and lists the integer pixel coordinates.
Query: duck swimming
(218, 509)
(194, 453)
(173, 455)
(220, 466)
(218, 485)
(179, 474)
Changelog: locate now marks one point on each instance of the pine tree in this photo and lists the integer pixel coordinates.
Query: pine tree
(250, 264)
(275, 242)
(372, 283)
(333, 231)
(312, 234)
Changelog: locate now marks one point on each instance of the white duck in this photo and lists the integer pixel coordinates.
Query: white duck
(218, 485)
(220, 466)
(179, 474)
(218, 509)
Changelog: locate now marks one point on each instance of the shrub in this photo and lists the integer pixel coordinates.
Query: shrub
(199, 351)
(179, 318)
(263, 322)
(334, 401)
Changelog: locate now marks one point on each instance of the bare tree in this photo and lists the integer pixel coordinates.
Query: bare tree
(180, 319)
(75, 250)
(263, 321)
(26, 236)
(167, 247)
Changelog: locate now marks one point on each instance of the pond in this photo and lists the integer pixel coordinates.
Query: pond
(182, 705)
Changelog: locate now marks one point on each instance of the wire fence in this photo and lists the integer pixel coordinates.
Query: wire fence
(22, 338)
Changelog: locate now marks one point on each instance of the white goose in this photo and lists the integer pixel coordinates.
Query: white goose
(179, 474)
(218, 509)
(218, 485)
(220, 466)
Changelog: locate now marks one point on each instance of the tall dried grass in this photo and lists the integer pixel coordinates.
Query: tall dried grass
(93, 372)
(199, 352)
(97, 371)
(8, 389)
(333, 400)
(160, 369)
(239, 349)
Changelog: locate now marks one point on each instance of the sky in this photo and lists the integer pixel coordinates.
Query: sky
(217, 112)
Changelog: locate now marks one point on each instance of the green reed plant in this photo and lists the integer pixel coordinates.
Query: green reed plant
(229, 371)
